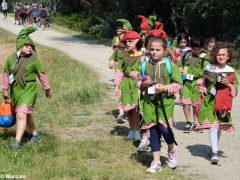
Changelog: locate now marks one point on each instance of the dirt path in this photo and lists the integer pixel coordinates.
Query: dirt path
(87, 52)
(193, 149)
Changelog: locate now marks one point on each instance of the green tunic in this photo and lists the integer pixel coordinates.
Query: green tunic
(128, 86)
(207, 107)
(147, 102)
(193, 66)
(117, 54)
(25, 71)
(115, 40)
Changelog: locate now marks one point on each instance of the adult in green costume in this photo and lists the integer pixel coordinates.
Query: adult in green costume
(19, 77)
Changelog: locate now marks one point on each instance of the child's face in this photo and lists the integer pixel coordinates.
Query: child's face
(210, 46)
(222, 56)
(183, 43)
(197, 51)
(119, 31)
(27, 49)
(131, 44)
(144, 32)
(157, 51)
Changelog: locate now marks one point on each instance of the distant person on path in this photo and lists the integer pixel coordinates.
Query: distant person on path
(4, 8)
(48, 17)
(17, 12)
(43, 16)
(218, 89)
(19, 78)
(23, 13)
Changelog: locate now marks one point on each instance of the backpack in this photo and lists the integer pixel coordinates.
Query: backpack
(168, 66)
(43, 13)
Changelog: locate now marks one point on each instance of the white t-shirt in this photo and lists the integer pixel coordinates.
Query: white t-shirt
(4, 6)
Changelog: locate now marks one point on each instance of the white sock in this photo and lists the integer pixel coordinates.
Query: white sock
(214, 136)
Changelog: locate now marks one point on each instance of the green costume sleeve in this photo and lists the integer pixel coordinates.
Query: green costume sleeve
(137, 66)
(113, 56)
(120, 64)
(207, 60)
(115, 40)
(39, 66)
(9, 64)
(176, 74)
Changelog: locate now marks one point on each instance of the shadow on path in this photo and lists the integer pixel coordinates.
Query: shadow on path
(203, 151)
(146, 158)
(179, 126)
(120, 131)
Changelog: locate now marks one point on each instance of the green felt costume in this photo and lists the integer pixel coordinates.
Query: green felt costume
(24, 70)
(194, 66)
(128, 86)
(117, 54)
(24, 38)
(207, 106)
(151, 20)
(125, 23)
(115, 40)
(147, 102)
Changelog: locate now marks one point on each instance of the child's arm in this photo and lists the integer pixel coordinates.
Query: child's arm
(5, 81)
(176, 81)
(202, 86)
(233, 87)
(5, 85)
(44, 81)
(112, 59)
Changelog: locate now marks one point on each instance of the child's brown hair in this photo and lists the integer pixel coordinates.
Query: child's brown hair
(232, 54)
(161, 40)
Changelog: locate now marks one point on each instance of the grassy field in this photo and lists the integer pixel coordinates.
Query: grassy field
(80, 139)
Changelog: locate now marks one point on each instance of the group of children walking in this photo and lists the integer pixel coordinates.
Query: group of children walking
(149, 72)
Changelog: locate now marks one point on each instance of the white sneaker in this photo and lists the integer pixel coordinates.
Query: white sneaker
(155, 166)
(172, 158)
(215, 158)
(143, 145)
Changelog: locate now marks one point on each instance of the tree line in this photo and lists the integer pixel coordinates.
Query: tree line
(218, 18)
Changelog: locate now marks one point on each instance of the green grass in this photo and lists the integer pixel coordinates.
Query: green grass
(76, 91)
(101, 159)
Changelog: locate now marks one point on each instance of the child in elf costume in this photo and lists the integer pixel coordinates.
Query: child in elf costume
(193, 65)
(126, 26)
(159, 80)
(209, 44)
(117, 54)
(156, 33)
(144, 29)
(218, 87)
(182, 50)
(125, 84)
(117, 37)
(19, 78)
